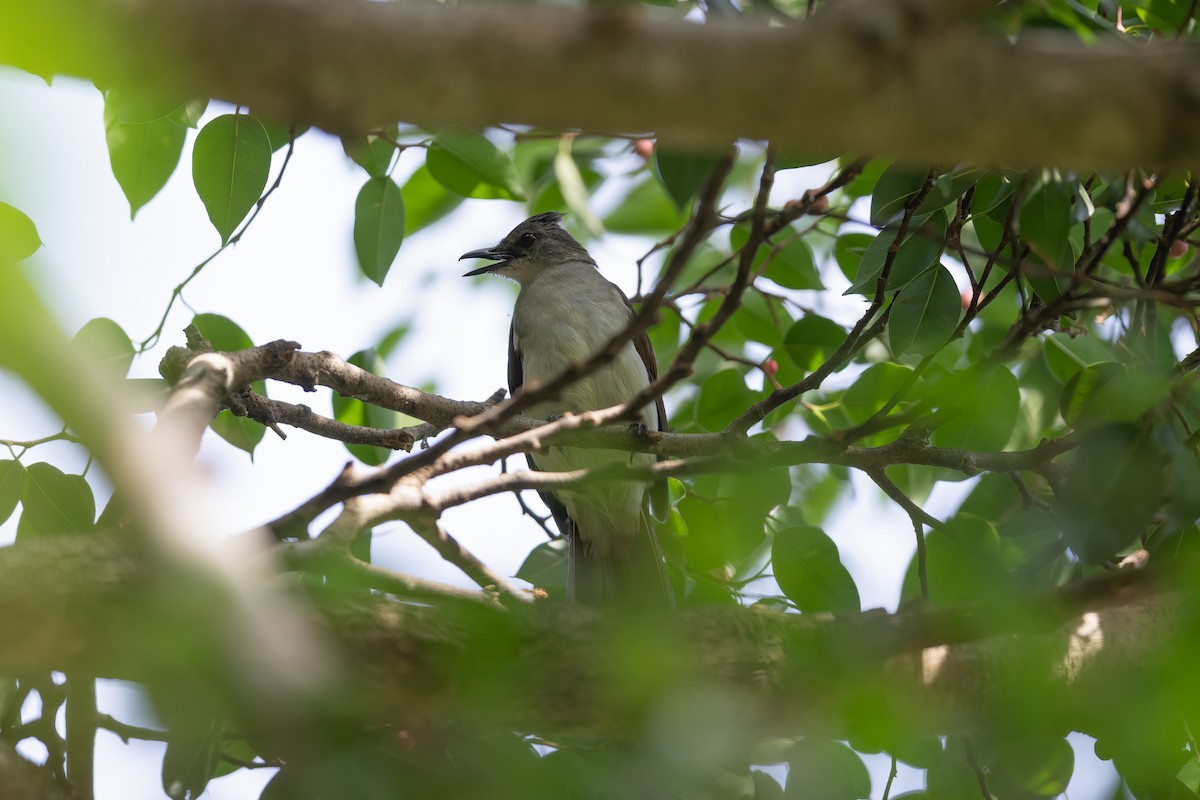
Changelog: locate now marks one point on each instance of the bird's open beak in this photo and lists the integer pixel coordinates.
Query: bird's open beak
(499, 256)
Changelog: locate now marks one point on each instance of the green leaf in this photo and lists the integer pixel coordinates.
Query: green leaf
(874, 387)
(12, 487)
(810, 572)
(682, 173)
(143, 157)
(102, 342)
(962, 563)
(1066, 355)
(352, 411)
(372, 153)
(849, 250)
(917, 253)
(280, 134)
(811, 340)
(546, 567)
(1045, 221)
(191, 760)
(1113, 491)
(574, 189)
(138, 108)
(225, 335)
(426, 201)
(761, 318)
(926, 313)
(989, 400)
(826, 770)
(460, 159)
(787, 260)
(378, 227)
(797, 160)
(55, 503)
(723, 396)
(1031, 764)
(231, 161)
(189, 114)
(18, 235)
(645, 210)
(896, 186)
(1106, 392)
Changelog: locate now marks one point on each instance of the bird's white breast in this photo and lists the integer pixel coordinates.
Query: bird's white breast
(565, 316)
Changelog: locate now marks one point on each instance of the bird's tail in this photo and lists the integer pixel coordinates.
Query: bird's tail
(635, 578)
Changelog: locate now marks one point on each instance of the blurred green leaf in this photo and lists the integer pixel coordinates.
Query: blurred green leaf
(873, 388)
(1066, 355)
(723, 396)
(18, 235)
(811, 340)
(102, 342)
(378, 227)
(231, 161)
(989, 400)
(826, 770)
(12, 487)
(682, 173)
(191, 760)
(645, 210)
(809, 570)
(55, 503)
(1112, 492)
(574, 189)
(1034, 764)
(787, 259)
(1106, 392)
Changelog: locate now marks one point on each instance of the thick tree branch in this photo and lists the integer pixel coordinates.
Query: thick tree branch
(907, 78)
(86, 602)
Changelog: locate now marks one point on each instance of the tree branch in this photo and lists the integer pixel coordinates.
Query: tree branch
(334, 66)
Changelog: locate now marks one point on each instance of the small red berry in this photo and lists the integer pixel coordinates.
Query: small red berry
(644, 148)
(1179, 248)
(770, 366)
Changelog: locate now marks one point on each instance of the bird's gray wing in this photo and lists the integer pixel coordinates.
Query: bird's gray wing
(659, 496)
(516, 377)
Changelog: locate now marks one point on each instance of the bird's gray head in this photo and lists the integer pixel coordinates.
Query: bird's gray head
(530, 248)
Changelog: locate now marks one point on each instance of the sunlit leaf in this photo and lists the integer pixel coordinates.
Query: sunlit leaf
(460, 159)
(231, 161)
(18, 235)
(378, 227)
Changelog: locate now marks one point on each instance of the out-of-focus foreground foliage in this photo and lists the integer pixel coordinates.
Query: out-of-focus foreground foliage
(1031, 331)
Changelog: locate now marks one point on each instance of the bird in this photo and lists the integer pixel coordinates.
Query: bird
(565, 312)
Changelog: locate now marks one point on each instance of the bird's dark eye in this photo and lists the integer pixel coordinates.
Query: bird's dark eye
(527, 239)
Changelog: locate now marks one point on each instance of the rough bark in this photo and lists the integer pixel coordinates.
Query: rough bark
(917, 79)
